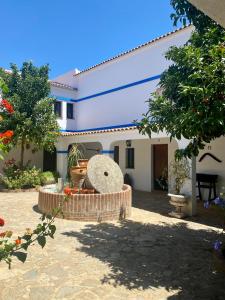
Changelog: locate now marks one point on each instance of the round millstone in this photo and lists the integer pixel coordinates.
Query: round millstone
(104, 174)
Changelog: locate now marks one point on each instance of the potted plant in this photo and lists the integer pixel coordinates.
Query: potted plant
(76, 173)
(179, 171)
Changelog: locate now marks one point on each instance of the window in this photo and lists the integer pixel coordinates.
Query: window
(130, 158)
(116, 154)
(58, 109)
(69, 111)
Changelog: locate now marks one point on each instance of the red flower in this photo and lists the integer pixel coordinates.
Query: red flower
(67, 191)
(2, 222)
(10, 162)
(7, 106)
(18, 242)
(6, 136)
(2, 234)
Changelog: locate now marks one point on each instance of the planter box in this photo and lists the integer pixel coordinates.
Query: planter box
(180, 203)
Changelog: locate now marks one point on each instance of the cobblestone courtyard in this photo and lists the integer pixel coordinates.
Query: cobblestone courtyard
(149, 256)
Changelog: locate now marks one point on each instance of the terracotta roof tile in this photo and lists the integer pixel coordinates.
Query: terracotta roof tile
(71, 133)
(62, 85)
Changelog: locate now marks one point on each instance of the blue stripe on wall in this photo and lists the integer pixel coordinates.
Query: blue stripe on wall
(62, 151)
(107, 151)
(122, 87)
(101, 128)
(64, 99)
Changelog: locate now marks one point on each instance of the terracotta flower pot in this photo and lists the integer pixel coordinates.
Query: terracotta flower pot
(78, 175)
(91, 191)
(83, 162)
(75, 191)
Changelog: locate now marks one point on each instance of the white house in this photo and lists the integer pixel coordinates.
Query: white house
(97, 107)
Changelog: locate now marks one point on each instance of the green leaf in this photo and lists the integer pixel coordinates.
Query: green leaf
(52, 229)
(41, 240)
(22, 256)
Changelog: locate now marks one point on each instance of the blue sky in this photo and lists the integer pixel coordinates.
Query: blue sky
(70, 34)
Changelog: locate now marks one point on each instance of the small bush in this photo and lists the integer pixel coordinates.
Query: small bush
(23, 179)
(16, 178)
(49, 177)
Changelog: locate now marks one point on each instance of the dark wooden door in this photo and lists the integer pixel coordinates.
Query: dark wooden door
(49, 161)
(160, 165)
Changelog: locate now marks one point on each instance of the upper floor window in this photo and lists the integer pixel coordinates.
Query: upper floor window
(129, 158)
(69, 111)
(58, 109)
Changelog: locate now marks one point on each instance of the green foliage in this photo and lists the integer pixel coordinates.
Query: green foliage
(28, 177)
(192, 104)
(76, 152)
(22, 179)
(186, 13)
(10, 247)
(34, 121)
(49, 177)
(179, 171)
(3, 86)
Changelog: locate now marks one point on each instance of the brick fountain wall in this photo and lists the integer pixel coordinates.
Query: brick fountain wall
(89, 207)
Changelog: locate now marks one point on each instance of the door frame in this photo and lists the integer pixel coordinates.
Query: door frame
(153, 163)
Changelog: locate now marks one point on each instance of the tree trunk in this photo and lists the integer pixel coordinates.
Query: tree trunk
(22, 153)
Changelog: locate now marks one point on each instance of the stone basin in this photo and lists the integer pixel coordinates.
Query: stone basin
(88, 207)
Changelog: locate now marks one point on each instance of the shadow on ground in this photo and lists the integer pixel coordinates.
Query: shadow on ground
(36, 209)
(158, 202)
(145, 256)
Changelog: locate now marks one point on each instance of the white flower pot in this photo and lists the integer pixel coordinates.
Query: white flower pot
(179, 202)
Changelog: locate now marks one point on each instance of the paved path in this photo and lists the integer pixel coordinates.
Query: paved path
(149, 256)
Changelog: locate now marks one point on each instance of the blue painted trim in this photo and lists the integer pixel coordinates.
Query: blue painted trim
(65, 99)
(107, 151)
(62, 151)
(101, 128)
(122, 87)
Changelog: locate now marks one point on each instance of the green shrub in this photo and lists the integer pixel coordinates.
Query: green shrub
(28, 178)
(16, 178)
(49, 177)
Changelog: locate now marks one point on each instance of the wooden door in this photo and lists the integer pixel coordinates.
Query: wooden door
(160, 166)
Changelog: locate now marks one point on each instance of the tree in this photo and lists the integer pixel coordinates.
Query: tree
(192, 103)
(33, 122)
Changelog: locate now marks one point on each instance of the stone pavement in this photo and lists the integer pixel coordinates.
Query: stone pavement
(149, 256)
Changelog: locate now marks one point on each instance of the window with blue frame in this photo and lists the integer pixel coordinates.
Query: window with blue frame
(58, 109)
(69, 110)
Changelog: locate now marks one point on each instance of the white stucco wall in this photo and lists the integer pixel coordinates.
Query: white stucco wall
(209, 165)
(65, 123)
(122, 106)
(142, 174)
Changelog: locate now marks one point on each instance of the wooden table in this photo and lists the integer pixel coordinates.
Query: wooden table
(206, 181)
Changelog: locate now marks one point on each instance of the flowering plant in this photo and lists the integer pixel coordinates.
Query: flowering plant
(6, 107)
(219, 203)
(11, 245)
(17, 246)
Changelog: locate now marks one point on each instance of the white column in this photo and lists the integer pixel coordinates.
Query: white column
(62, 163)
(189, 188)
(106, 148)
(61, 151)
